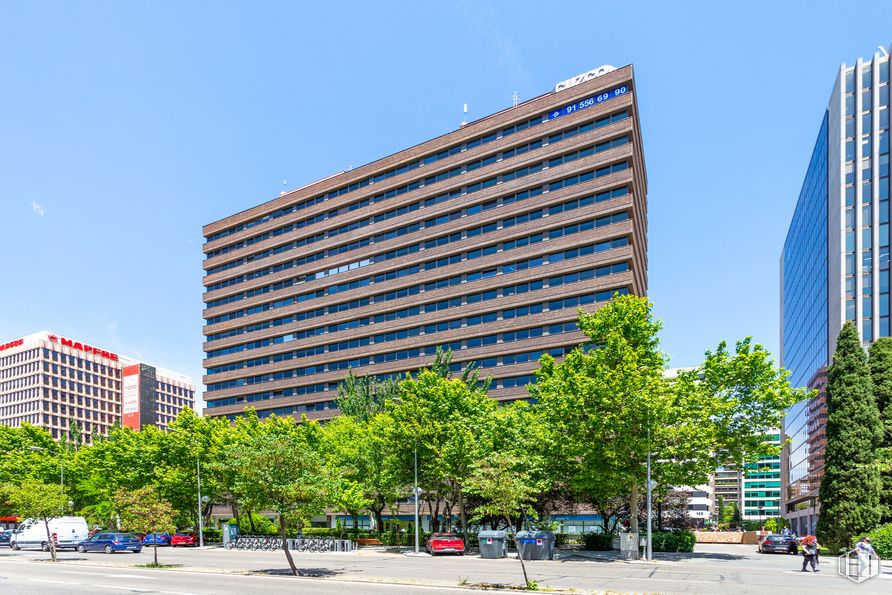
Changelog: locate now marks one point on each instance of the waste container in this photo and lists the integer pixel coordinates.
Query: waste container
(535, 545)
(493, 544)
(628, 546)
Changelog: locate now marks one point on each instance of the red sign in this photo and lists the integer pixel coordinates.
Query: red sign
(130, 396)
(11, 344)
(83, 347)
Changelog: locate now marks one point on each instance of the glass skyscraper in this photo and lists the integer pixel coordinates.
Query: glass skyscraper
(834, 265)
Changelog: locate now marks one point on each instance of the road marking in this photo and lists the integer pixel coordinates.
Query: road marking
(43, 580)
(131, 589)
(105, 574)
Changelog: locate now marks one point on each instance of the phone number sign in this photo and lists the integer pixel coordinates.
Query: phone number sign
(588, 102)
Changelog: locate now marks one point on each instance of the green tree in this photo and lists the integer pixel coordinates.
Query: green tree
(144, 511)
(368, 463)
(850, 488)
(505, 487)
(280, 468)
(363, 397)
(449, 422)
(610, 403)
(881, 374)
(31, 498)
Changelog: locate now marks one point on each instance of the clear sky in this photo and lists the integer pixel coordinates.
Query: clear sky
(126, 126)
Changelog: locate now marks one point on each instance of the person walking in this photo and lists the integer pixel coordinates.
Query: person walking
(809, 554)
(865, 552)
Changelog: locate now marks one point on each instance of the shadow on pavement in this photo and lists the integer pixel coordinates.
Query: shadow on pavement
(304, 572)
(614, 556)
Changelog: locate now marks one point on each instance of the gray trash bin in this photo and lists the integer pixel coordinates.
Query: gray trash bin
(493, 544)
(535, 545)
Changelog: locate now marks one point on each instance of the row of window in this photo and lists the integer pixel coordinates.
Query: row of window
(410, 311)
(439, 220)
(456, 346)
(356, 283)
(436, 263)
(401, 210)
(598, 123)
(19, 357)
(428, 329)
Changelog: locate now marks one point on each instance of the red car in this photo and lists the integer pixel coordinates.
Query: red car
(183, 539)
(441, 543)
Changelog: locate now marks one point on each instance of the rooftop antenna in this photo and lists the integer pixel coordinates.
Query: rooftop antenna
(515, 99)
(284, 188)
(464, 119)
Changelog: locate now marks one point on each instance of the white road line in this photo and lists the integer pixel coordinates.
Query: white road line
(43, 580)
(108, 575)
(119, 588)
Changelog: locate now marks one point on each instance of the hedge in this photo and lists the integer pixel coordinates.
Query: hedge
(673, 541)
(598, 542)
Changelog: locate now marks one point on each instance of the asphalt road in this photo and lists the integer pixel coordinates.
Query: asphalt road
(712, 569)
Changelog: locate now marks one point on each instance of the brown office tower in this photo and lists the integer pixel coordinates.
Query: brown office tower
(486, 241)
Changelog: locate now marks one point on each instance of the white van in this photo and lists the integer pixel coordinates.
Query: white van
(67, 531)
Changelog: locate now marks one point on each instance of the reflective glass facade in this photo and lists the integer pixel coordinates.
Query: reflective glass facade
(835, 264)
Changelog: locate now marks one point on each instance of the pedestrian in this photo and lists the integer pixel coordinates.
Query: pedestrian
(865, 552)
(785, 531)
(809, 553)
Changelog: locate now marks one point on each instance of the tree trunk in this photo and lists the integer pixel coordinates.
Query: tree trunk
(49, 538)
(379, 517)
(251, 522)
(284, 535)
(235, 513)
(526, 580)
(155, 535)
(633, 508)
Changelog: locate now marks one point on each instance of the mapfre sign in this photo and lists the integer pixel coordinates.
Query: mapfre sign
(585, 76)
(83, 347)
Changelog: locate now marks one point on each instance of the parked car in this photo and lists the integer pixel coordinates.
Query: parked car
(110, 543)
(441, 543)
(183, 538)
(785, 544)
(66, 531)
(162, 538)
(5, 537)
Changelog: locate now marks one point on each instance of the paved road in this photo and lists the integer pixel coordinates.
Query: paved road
(25, 577)
(713, 568)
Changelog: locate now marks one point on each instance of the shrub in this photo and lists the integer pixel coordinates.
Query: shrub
(598, 542)
(673, 541)
(881, 540)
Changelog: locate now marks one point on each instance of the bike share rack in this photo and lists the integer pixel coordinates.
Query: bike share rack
(301, 544)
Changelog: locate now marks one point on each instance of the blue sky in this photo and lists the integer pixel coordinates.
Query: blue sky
(126, 126)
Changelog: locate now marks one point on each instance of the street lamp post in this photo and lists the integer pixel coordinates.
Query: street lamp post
(650, 485)
(760, 518)
(415, 491)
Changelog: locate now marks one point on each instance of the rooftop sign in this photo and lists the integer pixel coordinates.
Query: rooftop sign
(83, 347)
(585, 76)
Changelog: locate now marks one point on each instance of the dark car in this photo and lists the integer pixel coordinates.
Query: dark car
(161, 538)
(183, 538)
(4, 537)
(783, 544)
(111, 542)
(442, 543)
